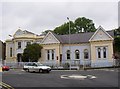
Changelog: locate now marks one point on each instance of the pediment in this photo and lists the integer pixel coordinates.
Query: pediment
(50, 39)
(100, 34)
(25, 33)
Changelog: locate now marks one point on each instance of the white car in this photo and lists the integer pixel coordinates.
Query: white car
(36, 67)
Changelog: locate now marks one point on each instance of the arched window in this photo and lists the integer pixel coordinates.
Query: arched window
(99, 52)
(68, 54)
(77, 54)
(104, 52)
(86, 55)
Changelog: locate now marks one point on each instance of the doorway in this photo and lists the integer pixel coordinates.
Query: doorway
(19, 57)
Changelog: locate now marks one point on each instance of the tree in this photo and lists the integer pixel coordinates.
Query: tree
(84, 25)
(117, 32)
(117, 46)
(80, 25)
(32, 53)
(64, 28)
(117, 40)
(45, 32)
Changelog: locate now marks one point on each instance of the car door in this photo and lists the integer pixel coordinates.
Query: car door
(34, 67)
(31, 67)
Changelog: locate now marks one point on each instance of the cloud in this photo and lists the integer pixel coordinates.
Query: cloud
(40, 16)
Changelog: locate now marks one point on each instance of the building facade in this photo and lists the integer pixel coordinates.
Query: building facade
(19, 41)
(2, 52)
(94, 49)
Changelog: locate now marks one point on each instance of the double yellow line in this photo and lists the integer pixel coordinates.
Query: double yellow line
(6, 86)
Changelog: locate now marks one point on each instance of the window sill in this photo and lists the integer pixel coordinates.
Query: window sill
(102, 58)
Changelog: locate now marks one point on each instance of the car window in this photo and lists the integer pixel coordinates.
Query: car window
(40, 64)
(29, 64)
(34, 64)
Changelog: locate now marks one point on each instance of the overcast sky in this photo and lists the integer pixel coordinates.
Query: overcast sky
(40, 16)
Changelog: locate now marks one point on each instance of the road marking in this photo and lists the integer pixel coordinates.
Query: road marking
(80, 77)
(65, 70)
(6, 85)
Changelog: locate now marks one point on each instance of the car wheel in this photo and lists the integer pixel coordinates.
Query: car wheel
(48, 71)
(40, 70)
(27, 70)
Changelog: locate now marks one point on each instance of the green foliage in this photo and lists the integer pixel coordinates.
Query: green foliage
(64, 29)
(117, 32)
(117, 44)
(32, 53)
(84, 24)
(80, 24)
(45, 32)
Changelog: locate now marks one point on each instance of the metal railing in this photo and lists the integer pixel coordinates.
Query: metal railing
(66, 64)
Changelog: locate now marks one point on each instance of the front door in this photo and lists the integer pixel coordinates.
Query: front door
(19, 57)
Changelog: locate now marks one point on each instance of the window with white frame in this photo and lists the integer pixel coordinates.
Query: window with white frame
(19, 45)
(104, 52)
(77, 54)
(28, 43)
(52, 54)
(11, 52)
(99, 52)
(68, 54)
(86, 54)
(48, 54)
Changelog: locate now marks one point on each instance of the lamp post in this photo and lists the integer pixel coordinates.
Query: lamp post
(69, 41)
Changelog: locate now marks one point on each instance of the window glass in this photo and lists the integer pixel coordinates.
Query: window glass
(10, 52)
(86, 56)
(99, 52)
(104, 52)
(19, 45)
(68, 54)
(52, 54)
(48, 54)
(28, 43)
(77, 54)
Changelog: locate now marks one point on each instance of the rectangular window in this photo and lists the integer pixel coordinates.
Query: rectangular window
(104, 52)
(68, 54)
(86, 55)
(10, 52)
(48, 54)
(52, 54)
(19, 45)
(28, 43)
(99, 52)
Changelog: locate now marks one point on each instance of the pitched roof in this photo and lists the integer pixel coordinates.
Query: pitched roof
(77, 38)
(28, 32)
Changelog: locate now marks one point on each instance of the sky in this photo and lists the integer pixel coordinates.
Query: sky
(38, 16)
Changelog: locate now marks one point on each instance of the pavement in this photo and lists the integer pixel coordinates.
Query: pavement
(17, 78)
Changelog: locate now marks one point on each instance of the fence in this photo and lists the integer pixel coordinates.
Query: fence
(67, 64)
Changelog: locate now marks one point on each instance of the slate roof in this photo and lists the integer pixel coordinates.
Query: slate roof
(77, 38)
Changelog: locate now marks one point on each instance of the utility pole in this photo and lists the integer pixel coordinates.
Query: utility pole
(69, 41)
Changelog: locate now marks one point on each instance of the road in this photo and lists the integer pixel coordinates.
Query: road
(102, 78)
